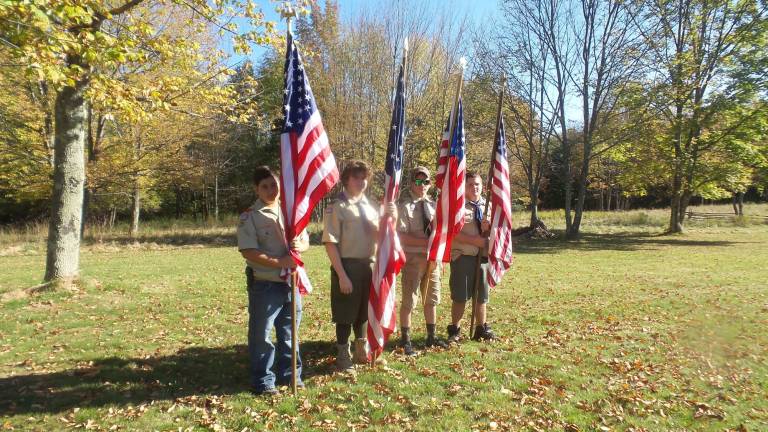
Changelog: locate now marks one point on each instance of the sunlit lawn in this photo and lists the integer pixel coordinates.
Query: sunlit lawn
(626, 329)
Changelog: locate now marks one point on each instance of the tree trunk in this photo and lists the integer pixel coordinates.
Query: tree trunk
(534, 196)
(675, 224)
(684, 202)
(93, 141)
(63, 254)
(601, 203)
(136, 208)
(206, 206)
(179, 198)
(216, 197)
(112, 217)
(609, 198)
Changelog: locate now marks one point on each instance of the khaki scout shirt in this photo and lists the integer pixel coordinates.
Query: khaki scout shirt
(353, 232)
(470, 228)
(261, 228)
(412, 221)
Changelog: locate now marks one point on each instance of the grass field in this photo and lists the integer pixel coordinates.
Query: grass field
(626, 329)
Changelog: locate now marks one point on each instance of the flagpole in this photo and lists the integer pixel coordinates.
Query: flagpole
(455, 113)
(289, 12)
(375, 355)
(478, 272)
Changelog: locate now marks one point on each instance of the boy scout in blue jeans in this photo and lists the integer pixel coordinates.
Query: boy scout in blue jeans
(472, 238)
(261, 241)
(349, 234)
(417, 279)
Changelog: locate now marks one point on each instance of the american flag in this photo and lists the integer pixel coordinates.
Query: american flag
(307, 166)
(389, 256)
(500, 249)
(451, 170)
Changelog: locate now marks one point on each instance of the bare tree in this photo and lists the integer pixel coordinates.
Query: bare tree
(519, 51)
(610, 56)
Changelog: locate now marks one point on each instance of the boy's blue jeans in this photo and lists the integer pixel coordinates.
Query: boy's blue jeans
(269, 305)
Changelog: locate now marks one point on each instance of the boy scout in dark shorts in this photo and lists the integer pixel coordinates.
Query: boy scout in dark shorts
(472, 238)
(261, 241)
(349, 235)
(417, 279)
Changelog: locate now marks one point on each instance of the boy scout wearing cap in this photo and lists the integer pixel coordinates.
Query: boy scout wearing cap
(472, 238)
(349, 234)
(261, 241)
(417, 279)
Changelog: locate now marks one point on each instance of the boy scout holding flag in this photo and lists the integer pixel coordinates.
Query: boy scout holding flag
(417, 279)
(471, 240)
(349, 234)
(261, 242)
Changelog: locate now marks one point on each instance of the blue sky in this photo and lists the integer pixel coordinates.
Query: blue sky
(477, 9)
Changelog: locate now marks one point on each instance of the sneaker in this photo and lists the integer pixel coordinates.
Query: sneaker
(454, 333)
(269, 391)
(483, 332)
(433, 342)
(407, 347)
(299, 384)
(343, 358)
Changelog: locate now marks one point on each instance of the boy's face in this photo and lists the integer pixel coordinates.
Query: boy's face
(357, 184)
(474, 188)
(267, 190)
(420, 186)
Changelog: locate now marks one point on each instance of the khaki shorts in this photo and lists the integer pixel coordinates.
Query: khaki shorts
(462, 280)
(413, 271)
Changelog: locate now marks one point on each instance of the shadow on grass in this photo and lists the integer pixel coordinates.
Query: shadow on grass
(611, 242)
(124, 381)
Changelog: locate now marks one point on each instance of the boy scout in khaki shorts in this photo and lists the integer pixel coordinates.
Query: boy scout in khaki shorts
(472, 238)
(417, 279)
(349, 235)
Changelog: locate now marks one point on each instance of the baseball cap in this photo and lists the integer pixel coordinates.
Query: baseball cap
(419, 170)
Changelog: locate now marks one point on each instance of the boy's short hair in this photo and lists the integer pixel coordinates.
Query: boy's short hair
(262, 172)
(354, 168)
(472, 174)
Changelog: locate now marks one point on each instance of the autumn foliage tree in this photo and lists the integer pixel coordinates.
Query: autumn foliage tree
(79, 48)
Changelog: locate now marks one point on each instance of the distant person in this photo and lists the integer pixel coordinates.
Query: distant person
(472, 239)
(349, 233)
(261, 241)
(417, 279)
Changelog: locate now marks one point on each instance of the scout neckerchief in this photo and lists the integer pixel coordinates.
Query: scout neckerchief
(425, 218)
(477, 213)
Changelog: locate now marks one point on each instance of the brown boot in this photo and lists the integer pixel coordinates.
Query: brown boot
(360, 354)
(343, 360)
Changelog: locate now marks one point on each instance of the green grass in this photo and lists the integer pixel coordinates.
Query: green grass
(626, 329)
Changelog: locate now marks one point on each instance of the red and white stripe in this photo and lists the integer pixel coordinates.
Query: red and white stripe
(450, 179)
(381, 302)
(308, 172)
(500, 248)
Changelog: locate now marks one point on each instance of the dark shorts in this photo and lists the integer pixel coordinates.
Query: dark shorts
(462, 281)
(353, 307)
